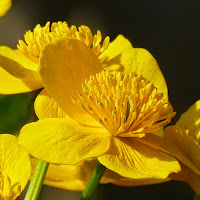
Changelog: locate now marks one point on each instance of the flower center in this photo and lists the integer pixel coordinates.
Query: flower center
(126, 105)
(35, 41)
(8, 191)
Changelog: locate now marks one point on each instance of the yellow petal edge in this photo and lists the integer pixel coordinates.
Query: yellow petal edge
(4, 6)
(15, 167)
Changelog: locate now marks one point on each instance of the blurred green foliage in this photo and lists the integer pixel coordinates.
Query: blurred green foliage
(15, 111)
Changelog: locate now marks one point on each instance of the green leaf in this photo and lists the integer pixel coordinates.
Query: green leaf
(14, 112)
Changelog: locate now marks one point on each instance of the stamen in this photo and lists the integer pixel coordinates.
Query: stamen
(35, 41)
(126, 105)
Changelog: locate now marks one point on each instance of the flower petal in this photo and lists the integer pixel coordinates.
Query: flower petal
(191, 119)
(133, 159)
(115, 48)
(11, 85)
(14, 161)
(74, 177)
(18, 65)
(189, 176)
(178, 144)
(67, 177)
(68, 62)
(140, 61)
(63, 141)
(139, 182)
(4, 6)
(46, 107)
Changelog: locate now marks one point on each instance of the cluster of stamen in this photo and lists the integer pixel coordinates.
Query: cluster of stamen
(7, 190)
(126, 105)
(35, 41)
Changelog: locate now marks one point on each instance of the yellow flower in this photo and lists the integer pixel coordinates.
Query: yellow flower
(107, 113)
(15, 167)
(182, 141)
(4, 6)
(18, 71)
(10, 84)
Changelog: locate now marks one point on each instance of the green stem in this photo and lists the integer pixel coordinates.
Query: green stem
(196, 197)
(37, 181)
(91, 188)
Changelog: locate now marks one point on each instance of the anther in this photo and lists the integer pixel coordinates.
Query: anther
(126, 105)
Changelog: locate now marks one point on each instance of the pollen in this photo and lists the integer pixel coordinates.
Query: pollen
(7, 190)
(127, 105)
(35, 41)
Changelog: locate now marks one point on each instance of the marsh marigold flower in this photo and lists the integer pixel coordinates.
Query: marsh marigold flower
(182, 141)
(108, 113)
(4, 6)
(16, 77)
(15, 167)
(18, 71)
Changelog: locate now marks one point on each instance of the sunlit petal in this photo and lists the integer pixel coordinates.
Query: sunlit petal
(179, 144)
(132, 159)
(190, 121)
(15, 166)
(63, 141)
(64, 65)
(4, 6)
(12, 85)
(115, 48)
(18, 65)
(142, 62)
(46, 107)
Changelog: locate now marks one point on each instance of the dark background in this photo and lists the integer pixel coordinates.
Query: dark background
(169, 29)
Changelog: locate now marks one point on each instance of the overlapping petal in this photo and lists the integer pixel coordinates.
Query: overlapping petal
(185, 149)
(64, 65)
(136, 60)
(74, 177)
(189, 176)
(190, 120)
(122, 56)
(115, 48)
(17, 73)
(18, 65)
(4, 6)
(182, 142)
(50, 109)
(15, 165)
(63, 141)
(70, 177)
(133, 159)
(140, 61)
(46, 107)
(179, 144)
(12, 85)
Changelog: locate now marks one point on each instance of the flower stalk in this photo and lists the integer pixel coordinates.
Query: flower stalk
(91, 188)
(37, 181)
